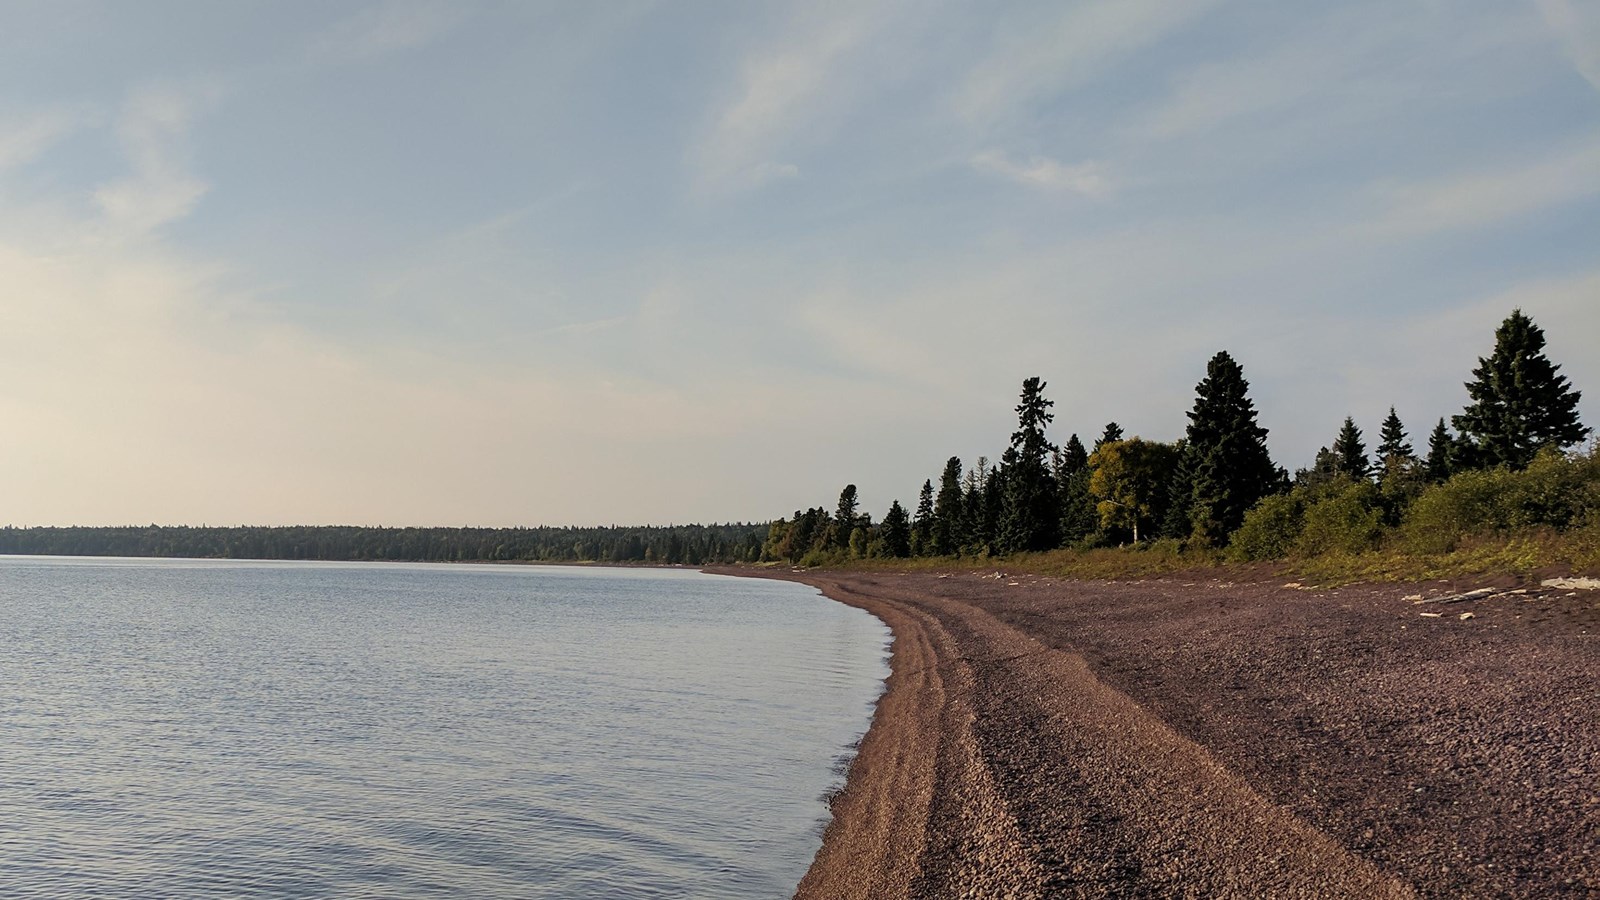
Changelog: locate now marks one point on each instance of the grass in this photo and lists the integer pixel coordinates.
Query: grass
(1524, 554)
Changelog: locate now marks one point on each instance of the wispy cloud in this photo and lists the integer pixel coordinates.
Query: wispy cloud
(380, 30)
(153, 129)
(1036, 59)
(24, 140)
(1487, 197)
(782, 87)
(1578, 29)
(1089, 179)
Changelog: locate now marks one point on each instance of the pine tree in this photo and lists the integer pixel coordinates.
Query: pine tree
(1113, 432)
(844, 520)
(1438, 466)
(922, 523)
(1029, 517)
(949, 511)
(1393, 444)
(1073, 456)
(896, 532)
(1225, 467)
(1519, 402)
(1078, 517)
(1349, 453)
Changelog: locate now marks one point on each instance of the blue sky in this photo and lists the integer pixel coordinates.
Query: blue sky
(523, 263)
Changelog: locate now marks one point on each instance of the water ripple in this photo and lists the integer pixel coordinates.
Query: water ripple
(198, 729)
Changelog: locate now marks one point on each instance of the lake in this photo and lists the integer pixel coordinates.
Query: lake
(184, 728)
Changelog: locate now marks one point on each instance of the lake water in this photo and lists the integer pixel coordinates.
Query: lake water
(203, 729)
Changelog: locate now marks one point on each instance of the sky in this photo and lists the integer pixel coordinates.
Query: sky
(446, 263)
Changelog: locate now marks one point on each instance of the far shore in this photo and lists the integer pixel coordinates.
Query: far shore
(1193, 736)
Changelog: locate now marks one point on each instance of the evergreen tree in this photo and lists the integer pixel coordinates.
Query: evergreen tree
(1519, 402)
(922, 523)
(1077, 513)
(1113, 432)
(1323, 469)
(844, 520)
(1073, 456)
(1393, 444)
(1030, 518)
(1225, 467)
(948, 511)
(1349, 453)
(1440, 444)
(896, 532)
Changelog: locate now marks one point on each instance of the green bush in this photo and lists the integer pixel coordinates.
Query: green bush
(1349, 521)
(1555, 491)
(1269, 529)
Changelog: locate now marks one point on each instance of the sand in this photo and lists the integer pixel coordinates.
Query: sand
(1173, 738)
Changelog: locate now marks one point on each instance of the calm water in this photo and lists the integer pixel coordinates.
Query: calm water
(189, 729)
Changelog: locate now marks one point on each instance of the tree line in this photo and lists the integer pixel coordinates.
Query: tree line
(673, 544)
(1218, 483)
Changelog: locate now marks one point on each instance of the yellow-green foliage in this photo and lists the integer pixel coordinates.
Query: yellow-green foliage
(1270, 528)
(1348, 521)
(1556, 491)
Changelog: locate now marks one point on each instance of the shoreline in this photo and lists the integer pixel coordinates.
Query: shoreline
(1044, 738)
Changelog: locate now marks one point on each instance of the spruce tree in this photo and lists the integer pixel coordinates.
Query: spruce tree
(1073, 456)
(949, 511)
(1225, 467)
(844, 520)
(1029, 517)
(1393, 444)
(922, 523)
(1519, 402)
(1349, 453)
(896, 532)
(1113, 432)
(1078, 517)
(1438, 467)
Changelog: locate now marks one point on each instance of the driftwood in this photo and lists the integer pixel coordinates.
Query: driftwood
(1478, 594)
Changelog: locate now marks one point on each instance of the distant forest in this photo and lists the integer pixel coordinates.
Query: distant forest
(1503, 466)
(692, 545)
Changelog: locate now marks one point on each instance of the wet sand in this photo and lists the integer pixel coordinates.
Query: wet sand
(1172, 738)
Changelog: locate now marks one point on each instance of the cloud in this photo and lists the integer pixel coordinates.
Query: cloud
(153, 129)
(381, 30)
(1485, 198)
(1087, 178)
(23, 141)
(1033, 60)
(782, 87)
(1578, 29)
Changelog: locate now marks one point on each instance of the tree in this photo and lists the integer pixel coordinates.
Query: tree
(896, 532)
(1519, 402)
(948, 511)
(1349, 453)
(922, 523)
(1029, 517)
(1225, 466)
(1077, 512)
(1130, 480)
(1113, 432)
(844, 520)
(1393, 443)
(1438, 466)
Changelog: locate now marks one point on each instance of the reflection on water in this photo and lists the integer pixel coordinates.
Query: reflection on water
(182, 728)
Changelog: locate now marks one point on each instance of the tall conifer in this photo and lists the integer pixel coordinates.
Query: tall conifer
(948, 511)
(1225, 467)
(1349, 453)
(922, 522)
(1519, 402)
(1029, 516)
(1440, 444)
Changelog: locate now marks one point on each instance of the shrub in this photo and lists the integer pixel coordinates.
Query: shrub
(1269, 529)
(1555, 491)
(1349, 521)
